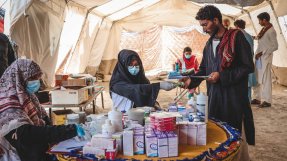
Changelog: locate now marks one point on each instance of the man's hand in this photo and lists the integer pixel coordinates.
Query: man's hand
(186, 82)
(214, 77)
(258, 55)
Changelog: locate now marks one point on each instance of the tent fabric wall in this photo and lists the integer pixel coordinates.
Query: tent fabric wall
(98, 47)
(177, 13)
(74, 20)
(17, 8)
(80, 56)
(280, 7)
(37, 35)
(159, 47)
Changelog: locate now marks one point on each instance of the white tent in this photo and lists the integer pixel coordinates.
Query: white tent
(77, 36)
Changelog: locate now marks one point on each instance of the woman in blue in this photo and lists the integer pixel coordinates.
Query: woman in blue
(129, 86)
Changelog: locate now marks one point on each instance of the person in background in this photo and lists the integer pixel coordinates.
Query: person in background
(7, 55)
(129, 86)
(227, 60)
(267, 44)
(226, 23)
(240, 24)
(25, 130)
(188, 61)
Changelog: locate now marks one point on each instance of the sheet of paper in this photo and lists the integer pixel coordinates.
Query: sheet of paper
(68, 145)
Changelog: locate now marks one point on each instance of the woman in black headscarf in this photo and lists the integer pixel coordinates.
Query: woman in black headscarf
(129, 86)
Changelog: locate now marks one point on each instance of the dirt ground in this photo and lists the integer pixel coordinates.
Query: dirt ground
(271, 128)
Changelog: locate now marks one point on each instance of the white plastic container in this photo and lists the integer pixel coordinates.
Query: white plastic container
(108, 129)
(136, 114)
(116, 119)
(72, 118)
(202, 105)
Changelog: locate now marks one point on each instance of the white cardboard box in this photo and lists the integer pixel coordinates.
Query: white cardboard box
(69, 96)
(102, 142)
(162, 145)
(151, 144)
(93, 150)
(128, 143)
(138, 144)
(192, 134)
(201, 134)
(172, 144)
(183, 133)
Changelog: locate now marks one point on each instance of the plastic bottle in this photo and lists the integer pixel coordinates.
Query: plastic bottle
(176, 67)
(116, 119)
(202, 105)
(108, 129)
(183, 68)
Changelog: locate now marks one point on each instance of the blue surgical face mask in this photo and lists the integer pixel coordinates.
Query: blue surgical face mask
(134, 70)
(187, 56)
(33, 86)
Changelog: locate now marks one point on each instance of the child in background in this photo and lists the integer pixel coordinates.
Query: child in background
(188, 61)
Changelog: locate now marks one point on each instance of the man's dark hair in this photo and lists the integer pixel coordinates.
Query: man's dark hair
(187, 49)
(209, 12)
(240, 23)
(264, 15)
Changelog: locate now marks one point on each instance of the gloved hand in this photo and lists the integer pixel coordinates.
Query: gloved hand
(167, 86)
(80, 130)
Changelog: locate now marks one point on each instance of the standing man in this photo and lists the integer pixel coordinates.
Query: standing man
(240, 24)
(227, 60)
(267, 44)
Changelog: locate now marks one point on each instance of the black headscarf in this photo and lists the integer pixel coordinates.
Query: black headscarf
(121, 73)
(136, 88)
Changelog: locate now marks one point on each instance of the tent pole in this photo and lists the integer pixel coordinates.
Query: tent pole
(248, 13)
(276, 18)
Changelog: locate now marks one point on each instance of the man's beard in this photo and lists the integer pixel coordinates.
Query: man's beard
(214, 32)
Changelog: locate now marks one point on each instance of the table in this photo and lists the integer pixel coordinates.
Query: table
(100, 90)
(223, 143)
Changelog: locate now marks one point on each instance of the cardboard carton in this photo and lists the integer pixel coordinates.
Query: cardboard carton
(59, 117)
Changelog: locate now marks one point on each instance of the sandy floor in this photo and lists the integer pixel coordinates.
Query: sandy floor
(271, 128)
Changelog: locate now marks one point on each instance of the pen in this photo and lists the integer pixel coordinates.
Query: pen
(75, 147)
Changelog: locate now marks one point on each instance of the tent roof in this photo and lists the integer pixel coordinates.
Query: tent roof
(115, 10)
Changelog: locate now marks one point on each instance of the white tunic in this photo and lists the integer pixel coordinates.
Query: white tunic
(121, 103)
(267, 45)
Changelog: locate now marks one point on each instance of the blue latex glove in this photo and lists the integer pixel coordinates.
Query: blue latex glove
(80, 131)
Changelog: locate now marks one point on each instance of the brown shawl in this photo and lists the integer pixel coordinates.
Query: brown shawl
(263, 30)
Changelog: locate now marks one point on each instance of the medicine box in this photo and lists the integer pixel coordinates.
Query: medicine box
(69, 96)
(128, 142)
